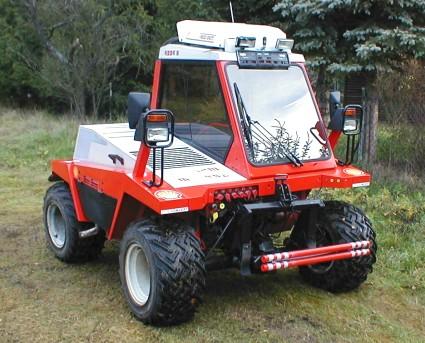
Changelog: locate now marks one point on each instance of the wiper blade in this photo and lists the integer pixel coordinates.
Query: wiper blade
(248, 125)
(286, 152)
(245, 119)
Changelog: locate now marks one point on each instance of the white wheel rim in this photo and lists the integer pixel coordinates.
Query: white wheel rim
(56, 226)
(137, 274)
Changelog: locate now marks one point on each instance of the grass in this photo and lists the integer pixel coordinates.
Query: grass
(44, 300)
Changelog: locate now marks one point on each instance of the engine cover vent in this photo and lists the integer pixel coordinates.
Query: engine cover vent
(181, 157)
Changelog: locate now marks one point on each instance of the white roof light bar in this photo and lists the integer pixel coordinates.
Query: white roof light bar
(214, 34)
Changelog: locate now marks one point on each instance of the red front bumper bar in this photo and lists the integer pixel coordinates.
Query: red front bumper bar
(307, 257)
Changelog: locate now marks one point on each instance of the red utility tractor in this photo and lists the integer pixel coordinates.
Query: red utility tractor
(214, 170)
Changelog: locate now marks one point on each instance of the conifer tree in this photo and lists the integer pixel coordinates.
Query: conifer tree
(357, 36)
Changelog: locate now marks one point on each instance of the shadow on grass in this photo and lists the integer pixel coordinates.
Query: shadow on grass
(225, 284)
(230, 284)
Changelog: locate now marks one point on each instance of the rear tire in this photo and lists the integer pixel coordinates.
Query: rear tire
(338, 222)
(162, 271)
(62, 227)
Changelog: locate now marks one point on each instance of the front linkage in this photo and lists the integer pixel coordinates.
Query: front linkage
(281, 258)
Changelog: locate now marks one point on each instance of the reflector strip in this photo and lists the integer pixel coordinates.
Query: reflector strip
(315, 251)
(305, 261)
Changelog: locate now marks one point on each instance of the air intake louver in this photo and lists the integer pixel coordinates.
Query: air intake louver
(179, 158)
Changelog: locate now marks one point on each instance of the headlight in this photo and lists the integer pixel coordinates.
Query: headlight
(158, 128)
(157, 134)
(350, 125)
(284, 44)
(352, 120)
(245, 42)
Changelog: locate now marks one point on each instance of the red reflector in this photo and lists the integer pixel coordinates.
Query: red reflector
(248, 193)
(156, 117)
(219, 197)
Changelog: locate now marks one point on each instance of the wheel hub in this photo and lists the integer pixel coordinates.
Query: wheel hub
(137, 274)
(56, 226)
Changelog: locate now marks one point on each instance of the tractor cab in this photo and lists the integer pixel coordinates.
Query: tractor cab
(240, 95)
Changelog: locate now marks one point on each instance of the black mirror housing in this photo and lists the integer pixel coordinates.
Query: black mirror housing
(137, 104)
(337, 120)
(334, 102)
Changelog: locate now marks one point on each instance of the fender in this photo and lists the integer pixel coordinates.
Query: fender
(67, 172)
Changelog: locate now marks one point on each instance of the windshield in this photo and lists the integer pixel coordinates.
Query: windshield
(277, 115)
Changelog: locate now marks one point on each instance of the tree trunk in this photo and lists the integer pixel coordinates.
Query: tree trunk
(79, 99)
(370, 123)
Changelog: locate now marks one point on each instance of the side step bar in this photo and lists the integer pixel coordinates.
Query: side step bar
(307, 257)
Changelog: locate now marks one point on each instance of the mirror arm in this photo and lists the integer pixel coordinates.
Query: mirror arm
(333, 138)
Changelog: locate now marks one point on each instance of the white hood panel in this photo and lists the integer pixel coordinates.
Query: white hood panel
(184, 166)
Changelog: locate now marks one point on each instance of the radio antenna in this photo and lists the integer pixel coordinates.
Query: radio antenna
(231, 11)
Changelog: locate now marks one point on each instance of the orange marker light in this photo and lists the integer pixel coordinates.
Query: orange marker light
(157, 118)
(351, 112)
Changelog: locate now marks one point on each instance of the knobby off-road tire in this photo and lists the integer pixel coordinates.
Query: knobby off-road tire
(62, 227)
(162, 271)
(338, 222)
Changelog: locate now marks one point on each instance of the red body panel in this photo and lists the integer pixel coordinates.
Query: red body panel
(117, 183)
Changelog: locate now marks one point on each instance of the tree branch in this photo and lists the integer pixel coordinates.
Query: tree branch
(31, 6)
(57, 26)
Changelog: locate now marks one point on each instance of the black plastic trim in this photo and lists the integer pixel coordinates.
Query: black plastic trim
(98, 207)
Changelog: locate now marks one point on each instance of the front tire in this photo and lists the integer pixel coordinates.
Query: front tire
(337, 223)
(162, 271)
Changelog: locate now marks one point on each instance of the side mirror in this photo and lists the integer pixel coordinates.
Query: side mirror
(352, 119)
(348, 120)
(156, 128)
(334, 102)
(137, 104)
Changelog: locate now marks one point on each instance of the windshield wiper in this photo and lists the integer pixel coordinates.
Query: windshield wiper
(286, 152)
(248, 125)
(245, 119)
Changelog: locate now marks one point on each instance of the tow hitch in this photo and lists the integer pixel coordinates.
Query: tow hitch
(290, 259)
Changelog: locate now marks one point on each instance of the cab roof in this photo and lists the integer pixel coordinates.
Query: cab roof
(204, 40)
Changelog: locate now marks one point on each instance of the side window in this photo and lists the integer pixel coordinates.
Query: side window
(192, 92)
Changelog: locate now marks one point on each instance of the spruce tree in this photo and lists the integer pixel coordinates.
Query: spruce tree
(357, 36)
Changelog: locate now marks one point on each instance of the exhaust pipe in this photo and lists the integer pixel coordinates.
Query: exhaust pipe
(90, 232)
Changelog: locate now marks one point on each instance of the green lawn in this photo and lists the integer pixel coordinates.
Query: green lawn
(45, 300)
